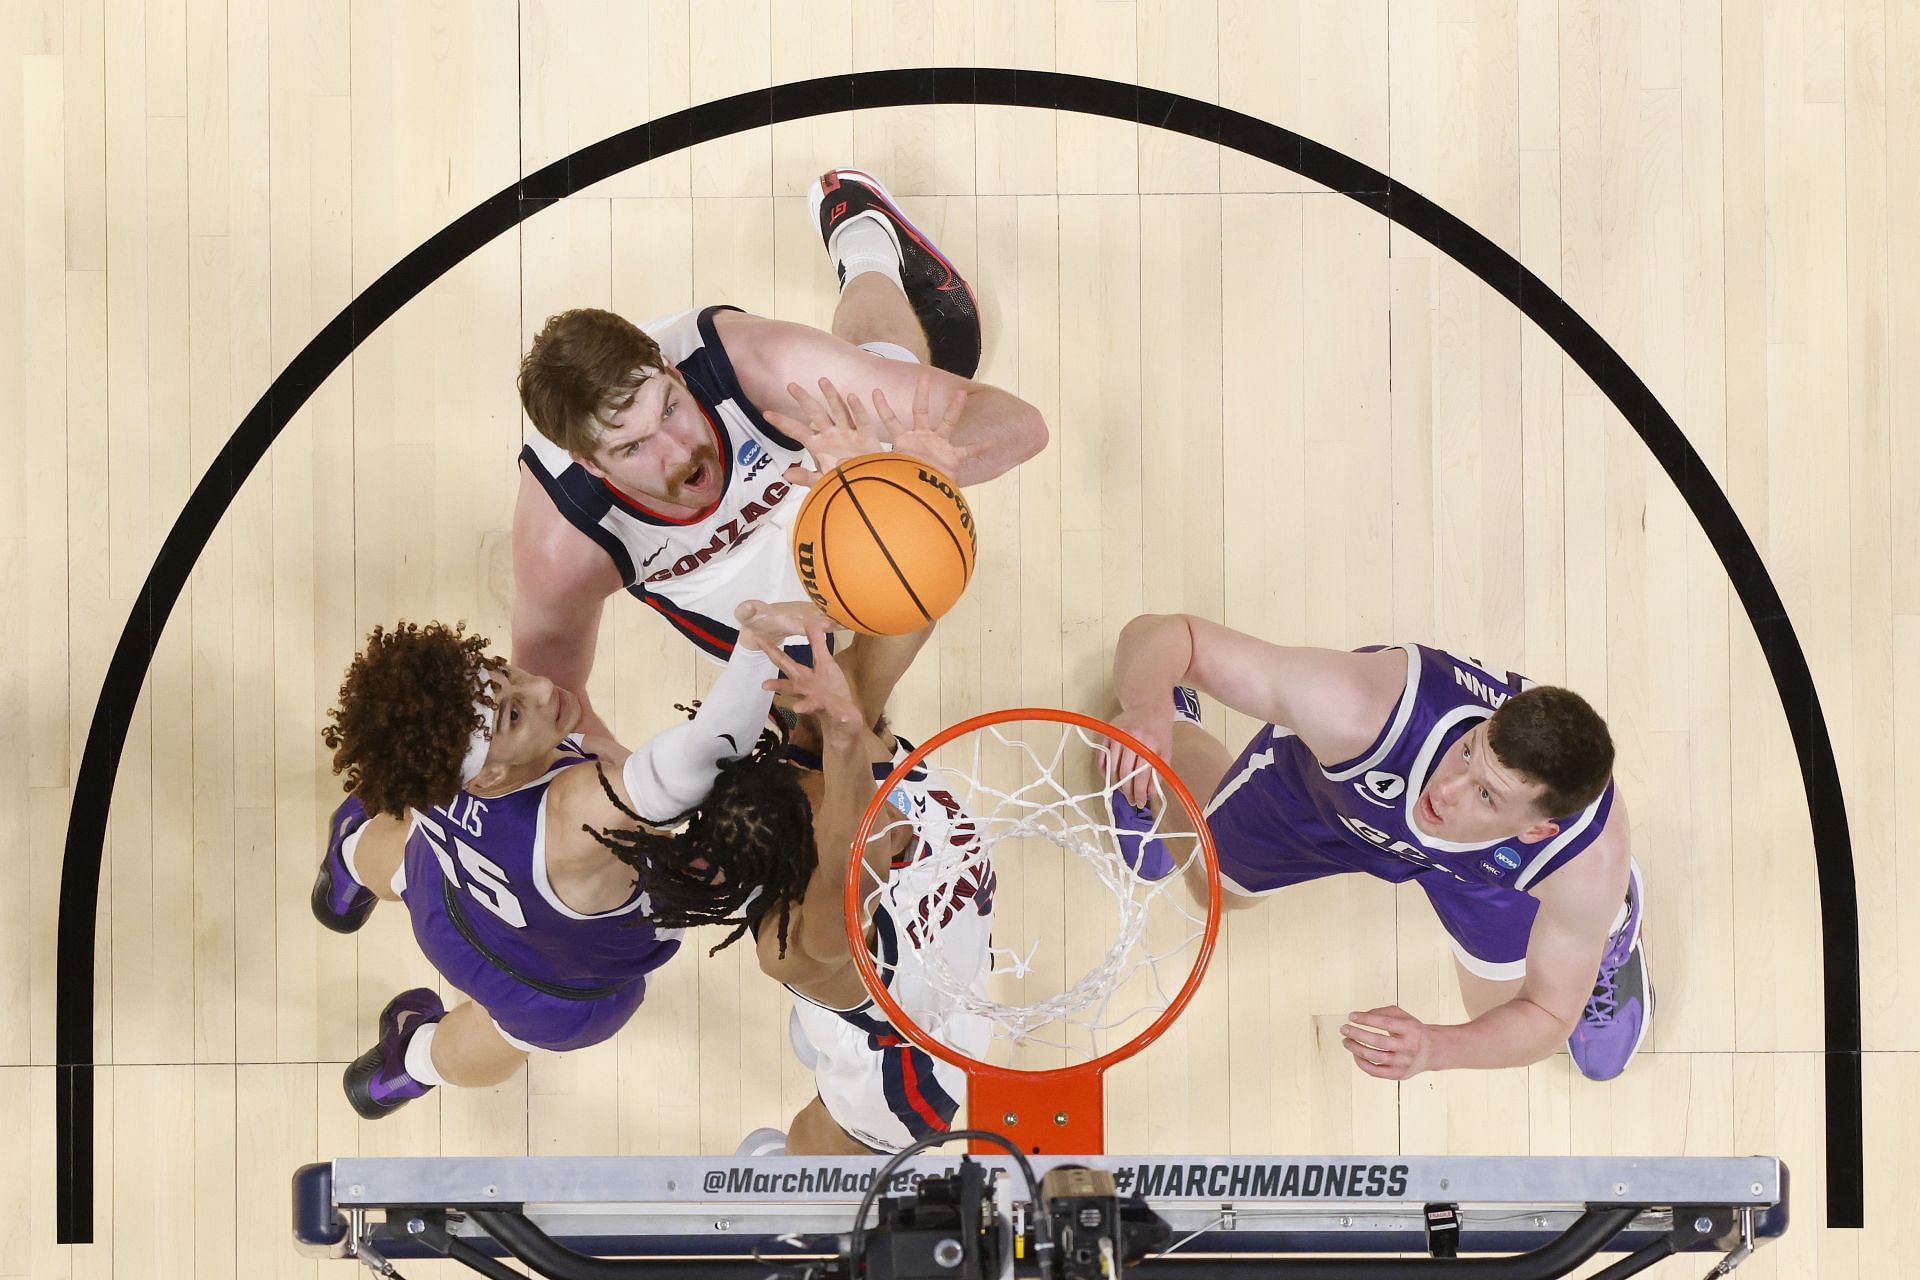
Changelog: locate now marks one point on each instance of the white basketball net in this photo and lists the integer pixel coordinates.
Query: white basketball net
(1028, 790)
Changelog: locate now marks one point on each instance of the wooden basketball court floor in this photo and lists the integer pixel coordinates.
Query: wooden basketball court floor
(1268, 407)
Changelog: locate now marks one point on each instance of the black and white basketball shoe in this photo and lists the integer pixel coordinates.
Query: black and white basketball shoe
(940, 297)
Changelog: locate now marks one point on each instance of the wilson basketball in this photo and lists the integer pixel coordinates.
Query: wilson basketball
(884, 544)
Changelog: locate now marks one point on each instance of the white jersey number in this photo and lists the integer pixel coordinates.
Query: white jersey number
(484, 880)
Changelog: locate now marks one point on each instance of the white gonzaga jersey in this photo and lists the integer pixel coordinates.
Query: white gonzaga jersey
(696, 570)
(875, 1083)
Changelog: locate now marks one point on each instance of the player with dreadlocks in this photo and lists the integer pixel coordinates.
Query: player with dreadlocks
(473, 800)
(874, 1090)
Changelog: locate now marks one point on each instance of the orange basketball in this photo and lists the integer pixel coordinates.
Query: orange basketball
(884, 544)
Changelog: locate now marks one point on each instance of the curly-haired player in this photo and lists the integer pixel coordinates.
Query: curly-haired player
(475, 803)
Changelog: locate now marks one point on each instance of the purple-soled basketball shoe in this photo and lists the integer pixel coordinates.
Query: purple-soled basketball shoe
(339, 901)
(940, 297)
(377, 1082)
(1620, 1009)
(1148, 856)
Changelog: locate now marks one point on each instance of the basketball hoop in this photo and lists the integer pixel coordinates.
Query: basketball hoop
(1015, 781)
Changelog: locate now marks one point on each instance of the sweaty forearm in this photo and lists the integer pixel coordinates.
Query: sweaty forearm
(673, 771)
(1006, 430)
(1513, 1034)
(1152, 656)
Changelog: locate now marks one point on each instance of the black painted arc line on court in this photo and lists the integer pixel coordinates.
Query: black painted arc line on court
(947, 86)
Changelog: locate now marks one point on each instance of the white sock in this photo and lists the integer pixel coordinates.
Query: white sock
(1620, 921)
(348, 848)
(419, 1058)
(862, 244)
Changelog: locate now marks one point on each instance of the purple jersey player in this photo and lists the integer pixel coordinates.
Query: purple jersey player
(474, 802)
(1410, 763)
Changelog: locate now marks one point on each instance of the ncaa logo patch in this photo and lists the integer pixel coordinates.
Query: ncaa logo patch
(749, 450)
(1507, 858)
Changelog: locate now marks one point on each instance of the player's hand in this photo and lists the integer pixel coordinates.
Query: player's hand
(821, 690)
(767, 627)
(928, 438)
(1388, 1043)
(831, 428)
(1125, 768)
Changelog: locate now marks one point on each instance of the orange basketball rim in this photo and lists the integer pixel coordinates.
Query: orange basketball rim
(1059, 1110)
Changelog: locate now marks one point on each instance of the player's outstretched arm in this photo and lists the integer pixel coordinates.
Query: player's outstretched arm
(561, 583)
(874, 666)
(1335, 701)
(818, 962)
(673, 771)
(1577, 907)
(994, 431)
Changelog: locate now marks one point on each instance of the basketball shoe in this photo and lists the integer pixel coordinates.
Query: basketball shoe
(339, 901)
(1620, 1009)
(942, 300)
(377, 1082)
(1149, 856)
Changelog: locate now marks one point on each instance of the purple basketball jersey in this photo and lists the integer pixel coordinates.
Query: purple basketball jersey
(484, 861)
(1365, 805)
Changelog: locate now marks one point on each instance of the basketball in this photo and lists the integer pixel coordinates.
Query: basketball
(884, 544)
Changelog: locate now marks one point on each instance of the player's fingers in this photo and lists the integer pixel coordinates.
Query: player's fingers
(791, 615)
(1373, 1064)
(817, 639)
(884, 411)
(805, 477)
(1389, 1018)
(789, 666)
(836, 403)
(788, 425)
(1128, 773)
(1371, 1041)
(857, 411)
(955, 407)
(753, 613)
(922, 396)
(816, 414)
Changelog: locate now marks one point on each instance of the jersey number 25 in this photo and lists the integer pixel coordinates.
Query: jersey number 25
(483, 879)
